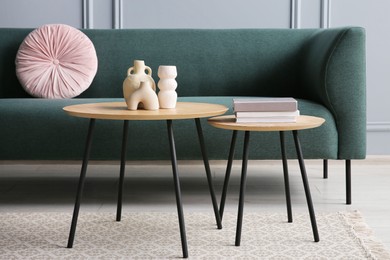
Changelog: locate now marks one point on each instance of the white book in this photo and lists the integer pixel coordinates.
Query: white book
(267, 114)
(266, 119)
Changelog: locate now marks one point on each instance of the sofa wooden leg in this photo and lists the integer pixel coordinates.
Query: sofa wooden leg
(348, 181)
(325, 169)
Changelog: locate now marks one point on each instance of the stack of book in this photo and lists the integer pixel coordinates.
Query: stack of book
(265, 110)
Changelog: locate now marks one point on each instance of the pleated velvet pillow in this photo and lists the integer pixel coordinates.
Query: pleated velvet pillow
(56, 61)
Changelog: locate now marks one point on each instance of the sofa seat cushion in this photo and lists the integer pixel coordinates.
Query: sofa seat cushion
(38, 129)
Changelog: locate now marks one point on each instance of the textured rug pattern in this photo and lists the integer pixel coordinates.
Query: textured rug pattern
(156, 236)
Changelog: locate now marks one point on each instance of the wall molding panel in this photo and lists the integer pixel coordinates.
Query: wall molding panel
(117, 14)
(87, 14)
(325, 13)
(378, 127)
(295, 14)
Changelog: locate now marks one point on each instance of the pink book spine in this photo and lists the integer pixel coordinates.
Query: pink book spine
(265, 106)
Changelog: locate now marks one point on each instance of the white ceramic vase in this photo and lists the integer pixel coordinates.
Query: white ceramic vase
(144, 95)
(167, 85)
(135, 75)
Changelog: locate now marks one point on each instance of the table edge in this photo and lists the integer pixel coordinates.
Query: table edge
(151, 117)
(265, 127)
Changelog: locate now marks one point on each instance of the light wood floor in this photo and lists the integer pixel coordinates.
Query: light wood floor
(34, 187)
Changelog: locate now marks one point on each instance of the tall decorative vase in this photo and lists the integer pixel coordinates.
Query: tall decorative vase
(135, 75)
(167, 84)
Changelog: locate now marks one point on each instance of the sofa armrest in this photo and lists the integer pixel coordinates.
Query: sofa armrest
(334, 74)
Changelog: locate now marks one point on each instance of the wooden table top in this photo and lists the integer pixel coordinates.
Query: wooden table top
(229, 122)
(119, 111)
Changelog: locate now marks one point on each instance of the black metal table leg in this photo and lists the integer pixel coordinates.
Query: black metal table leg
(286, 181)
(177, 189)
(227, 174)
(306, 186)
(122, 170)
(80, 187)
(208, 172)
(242, 188)
(325, 165)
(348, 181)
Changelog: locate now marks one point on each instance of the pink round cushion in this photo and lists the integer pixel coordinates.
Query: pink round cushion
(56, 61)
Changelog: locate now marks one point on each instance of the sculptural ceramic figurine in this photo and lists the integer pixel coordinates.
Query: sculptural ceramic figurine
(135, 75)
(167, 84)
(143, 95)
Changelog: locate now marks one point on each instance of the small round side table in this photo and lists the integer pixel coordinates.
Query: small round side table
(303, 122)
(119, 111)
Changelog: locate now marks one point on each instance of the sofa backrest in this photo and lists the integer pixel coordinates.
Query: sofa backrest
(209, 62)
(262, 62)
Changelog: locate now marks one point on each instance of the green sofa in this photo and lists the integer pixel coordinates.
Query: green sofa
(324, 69)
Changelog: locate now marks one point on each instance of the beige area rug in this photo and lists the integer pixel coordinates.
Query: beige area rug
(156, 236)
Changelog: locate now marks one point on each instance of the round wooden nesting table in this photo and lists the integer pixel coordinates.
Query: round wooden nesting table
(303, 122)
(119, 111)
(229, 122)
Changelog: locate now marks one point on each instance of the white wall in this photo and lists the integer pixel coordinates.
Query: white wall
(370, 14)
